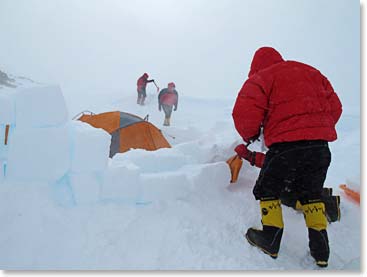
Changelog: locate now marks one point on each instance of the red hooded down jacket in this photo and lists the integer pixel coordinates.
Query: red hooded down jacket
(168, 97)
(292, 101)
(142, 81)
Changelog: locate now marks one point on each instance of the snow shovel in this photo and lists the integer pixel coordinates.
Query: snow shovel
(235, 164)
(156, 86)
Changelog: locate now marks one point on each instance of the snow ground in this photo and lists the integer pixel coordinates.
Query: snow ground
(187, 217)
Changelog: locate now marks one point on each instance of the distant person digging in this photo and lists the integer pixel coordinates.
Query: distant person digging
(167, 98)
(141, 88)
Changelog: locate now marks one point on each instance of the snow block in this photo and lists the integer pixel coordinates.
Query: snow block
(209, 179)
(7, 108)
(41, 154)
(86, 187)
(90, 148)
(164, 186)
(161, 160)
(40, 107)
(197, 153)
(122, 182)
(2, 173)
(62, 193)
(3, 147)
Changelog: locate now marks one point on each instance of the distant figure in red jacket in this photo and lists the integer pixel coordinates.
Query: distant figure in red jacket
(142, 85)
(168, 98)
(297, 108)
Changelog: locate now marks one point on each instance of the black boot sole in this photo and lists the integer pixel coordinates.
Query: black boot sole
(322, 263)
(272, 255)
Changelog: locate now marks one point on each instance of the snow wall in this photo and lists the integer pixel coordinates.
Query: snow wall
(71, 157)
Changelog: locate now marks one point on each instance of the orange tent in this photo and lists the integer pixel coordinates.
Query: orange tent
(127, 131)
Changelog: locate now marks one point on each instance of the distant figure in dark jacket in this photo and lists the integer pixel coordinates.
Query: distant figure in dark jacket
(141, 87)
(168, 98)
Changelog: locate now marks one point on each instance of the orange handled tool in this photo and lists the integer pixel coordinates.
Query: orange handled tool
(235, 164)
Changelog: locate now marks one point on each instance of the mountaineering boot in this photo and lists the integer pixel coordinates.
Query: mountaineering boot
(314, 213)
(268, 239)
(327, 192)
(142, 101)
(332, 204)
(165, 122)
(332, 208)
(319, 246)
(168, 121)
(138, 100)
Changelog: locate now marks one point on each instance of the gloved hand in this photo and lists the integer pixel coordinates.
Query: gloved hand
(252, 139)
(255, 158)
(159, 108)
(175, 109)
(242, 151)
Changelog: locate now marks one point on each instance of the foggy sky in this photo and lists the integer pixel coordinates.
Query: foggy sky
(204, 46)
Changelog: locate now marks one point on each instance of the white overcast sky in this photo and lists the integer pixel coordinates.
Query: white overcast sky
(205, 46)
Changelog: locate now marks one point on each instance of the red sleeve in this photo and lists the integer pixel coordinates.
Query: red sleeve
(334, 101)
(249, 110)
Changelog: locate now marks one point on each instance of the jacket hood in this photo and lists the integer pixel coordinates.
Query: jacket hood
(263, 58)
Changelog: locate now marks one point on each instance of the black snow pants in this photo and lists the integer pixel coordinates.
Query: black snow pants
(297, 167)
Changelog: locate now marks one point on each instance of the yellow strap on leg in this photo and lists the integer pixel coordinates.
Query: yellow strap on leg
(315, 215)
(298, 206)
(271, 213)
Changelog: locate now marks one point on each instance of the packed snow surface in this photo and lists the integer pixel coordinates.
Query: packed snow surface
(65, 205)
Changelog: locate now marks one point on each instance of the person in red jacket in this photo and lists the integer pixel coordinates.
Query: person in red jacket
(168, 98)
(297, 109)
(141, 88)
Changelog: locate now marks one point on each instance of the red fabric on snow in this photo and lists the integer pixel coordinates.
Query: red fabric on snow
(291, 100)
